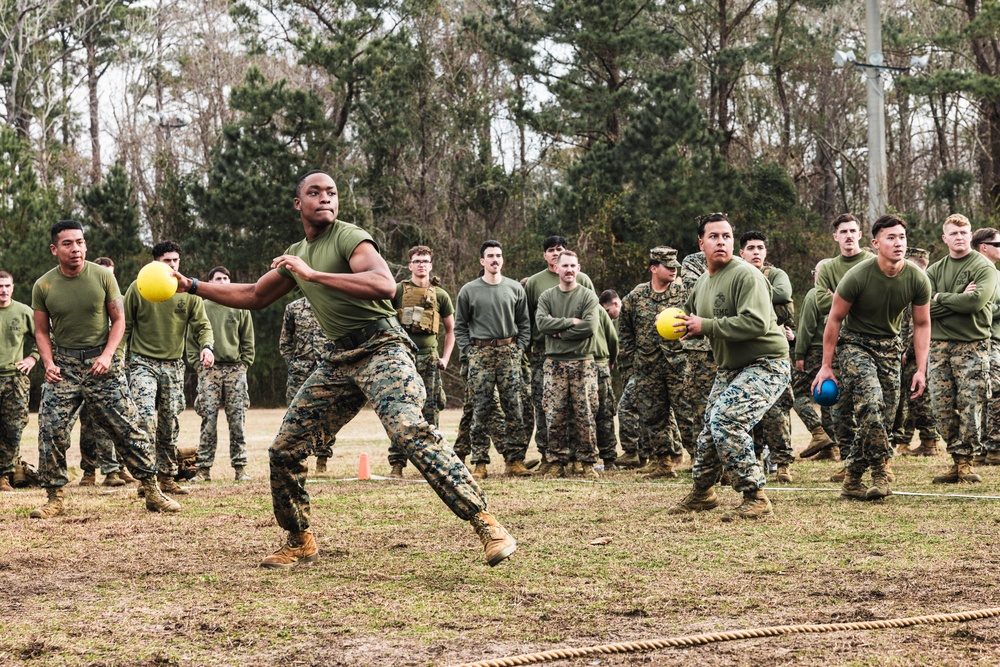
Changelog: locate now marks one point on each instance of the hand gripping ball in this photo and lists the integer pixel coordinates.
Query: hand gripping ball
(668, 320)
(827, 393)
(156, 282)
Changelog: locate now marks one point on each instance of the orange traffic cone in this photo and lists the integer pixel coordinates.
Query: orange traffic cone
(364, 470)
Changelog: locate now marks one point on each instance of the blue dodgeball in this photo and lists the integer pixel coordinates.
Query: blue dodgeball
(827, 393)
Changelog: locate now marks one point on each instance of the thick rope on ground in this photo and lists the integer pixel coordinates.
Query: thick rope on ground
(698, 640)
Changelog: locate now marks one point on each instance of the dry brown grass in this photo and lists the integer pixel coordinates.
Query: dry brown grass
(401, 582)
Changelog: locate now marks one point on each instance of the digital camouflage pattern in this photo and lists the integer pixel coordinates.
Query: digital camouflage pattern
(494, 422)
(869, 372)
(497, 368)
(631, 430)
(380, 371)
(990, 437)
(113, 409)
(14, 390)
(690, 402)
(570, 399)
(958, 378)
(96, 448)
(912, 414)
(301, 344)
(774, 430)
(739, 398)
(802, 381)
(430, 373)
(222, 386)
(691, 269)
(157, 387)
(607, 442)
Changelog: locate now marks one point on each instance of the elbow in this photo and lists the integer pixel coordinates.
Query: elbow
(385, 288)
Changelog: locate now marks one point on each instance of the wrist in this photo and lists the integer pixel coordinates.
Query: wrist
(194, 286)
(208, 347)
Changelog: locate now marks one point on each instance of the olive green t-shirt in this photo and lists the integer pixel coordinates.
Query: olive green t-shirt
(878, 301)
(606, 339)
(427, 342)
(330, 252)
(159, 330)
(737, 316)
(955, 314)
(77, 306)
(17, 337)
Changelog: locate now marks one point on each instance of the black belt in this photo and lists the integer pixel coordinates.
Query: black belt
(79, 354)
(357, 338)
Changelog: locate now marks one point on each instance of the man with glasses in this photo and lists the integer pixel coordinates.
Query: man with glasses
(424, 309)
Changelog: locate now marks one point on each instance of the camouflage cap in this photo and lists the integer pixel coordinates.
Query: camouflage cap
(917, 253)
(666, 256)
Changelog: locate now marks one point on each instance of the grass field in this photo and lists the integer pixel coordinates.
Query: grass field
(402, 581)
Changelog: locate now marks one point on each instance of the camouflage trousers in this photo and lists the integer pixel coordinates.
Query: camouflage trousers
(958, 378)
(845, 423)
(912, 414)
(158, 390)
(869, 373)
(113, 409)
(570, 397)
(802, 381)
(297, 376)
(96, 448)
(739, 398)
(499, 368)
(631, 431)
(494, 422)
(774, 430)
(14, 391)
(380, 371)
(607, 442)
(655, 387)
(537, 386)
(692, 399)
(990, 436)
(430, 372)
(222, 386)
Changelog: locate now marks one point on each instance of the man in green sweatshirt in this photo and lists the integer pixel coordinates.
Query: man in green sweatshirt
(18, 356)
(863, 331)
(492, 329)
(731, 306)
(567, 317)
(224, 383)
(963, 285)
(986, 242)
(155, 334)
(78, 328)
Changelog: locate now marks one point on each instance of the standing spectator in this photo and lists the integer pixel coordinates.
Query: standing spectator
(18, 356)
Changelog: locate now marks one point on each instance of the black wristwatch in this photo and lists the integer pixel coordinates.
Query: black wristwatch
(209, 348)
(194, 286)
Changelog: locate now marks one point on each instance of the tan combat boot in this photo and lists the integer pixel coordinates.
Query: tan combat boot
(516, 469)
(839, 476)
(755, 505)
(240, 474)
(663, 468)
(544, 468)
(168, 485)
(52, 508)
(926, 448)
(299, 549)
(880, 481)
(577, 468)
(397, 471)
(784, 474)
(889, 474)
(531, 464)
(5, 486)
(497, 542)
(320, 465)
(960, 472)
(203, 475)
(556, 471)
(699, 500)
(853, 489)
(589, 472)
(649, 466)
(89, 478)
(820, 441)
(480, 472)
(126, 476)
(630, 460)
(113, 479)
(155, 500)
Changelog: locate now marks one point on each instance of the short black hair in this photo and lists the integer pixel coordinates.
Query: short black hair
(607, 296)
(488, 244)
(62, 226)
(711, 217)
(163, 247)
(302, 180)
(554, 241)
(885, 222)
(218, 269)
(752, 235)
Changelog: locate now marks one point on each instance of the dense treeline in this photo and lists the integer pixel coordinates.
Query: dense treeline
(612, 122)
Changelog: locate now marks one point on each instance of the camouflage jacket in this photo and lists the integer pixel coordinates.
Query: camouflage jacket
(639, 341)
(302, 338)
(691, 269)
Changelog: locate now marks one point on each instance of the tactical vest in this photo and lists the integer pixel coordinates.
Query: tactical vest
(419, 311)
(785, 312)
